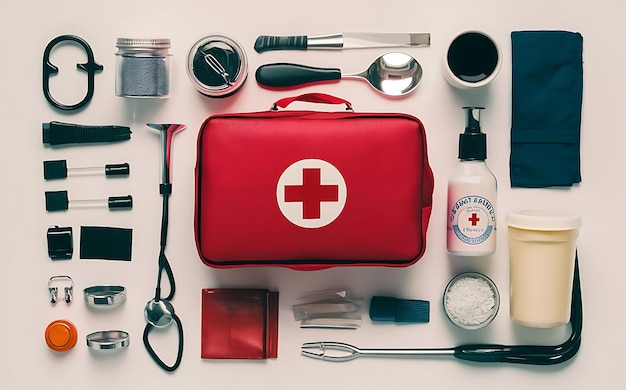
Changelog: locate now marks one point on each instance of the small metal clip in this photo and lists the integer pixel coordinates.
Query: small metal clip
(54, 291)
(91, 67)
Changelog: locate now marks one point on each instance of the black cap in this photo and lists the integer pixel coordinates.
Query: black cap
(120, 202)
(117, 169)
(389, 309)
(56, 200)
(473, 142)
(55, 169)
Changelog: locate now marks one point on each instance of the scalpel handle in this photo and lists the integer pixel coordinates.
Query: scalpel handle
(267, 43)
(299, 42)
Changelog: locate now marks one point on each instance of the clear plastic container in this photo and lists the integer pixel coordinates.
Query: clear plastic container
(542, 249)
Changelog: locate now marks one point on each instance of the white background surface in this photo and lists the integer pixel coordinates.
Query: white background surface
(28, 26)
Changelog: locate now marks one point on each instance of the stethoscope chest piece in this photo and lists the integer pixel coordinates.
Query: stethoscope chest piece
(159, 314)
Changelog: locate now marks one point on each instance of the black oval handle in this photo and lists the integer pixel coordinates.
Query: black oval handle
(267, 43)
(289, 75)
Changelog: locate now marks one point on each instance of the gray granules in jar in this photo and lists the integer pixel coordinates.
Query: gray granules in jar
(143, 69)
(470, 301)
(143, 76)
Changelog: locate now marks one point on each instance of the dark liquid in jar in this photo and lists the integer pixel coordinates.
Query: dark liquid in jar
(472, 57)
(225, 55)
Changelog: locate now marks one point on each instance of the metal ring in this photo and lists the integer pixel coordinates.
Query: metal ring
(102, 296)
(107, 340)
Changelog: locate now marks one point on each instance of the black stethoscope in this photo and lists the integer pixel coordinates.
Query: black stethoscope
(159, 312)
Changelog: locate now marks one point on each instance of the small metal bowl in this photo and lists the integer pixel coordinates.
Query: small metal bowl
(104, 296)
(217, 66)
(108, 340)
(471, 300)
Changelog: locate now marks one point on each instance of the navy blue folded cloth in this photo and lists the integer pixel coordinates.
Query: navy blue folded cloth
(547, 84)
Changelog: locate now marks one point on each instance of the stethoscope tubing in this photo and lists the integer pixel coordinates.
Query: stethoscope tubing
(533, 354)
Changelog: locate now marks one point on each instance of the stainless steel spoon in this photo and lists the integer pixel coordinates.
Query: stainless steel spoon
(393, 74)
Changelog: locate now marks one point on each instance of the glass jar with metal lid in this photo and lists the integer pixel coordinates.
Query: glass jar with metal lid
(142, 68)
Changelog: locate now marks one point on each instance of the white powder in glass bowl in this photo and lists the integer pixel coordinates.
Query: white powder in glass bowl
(471, 300)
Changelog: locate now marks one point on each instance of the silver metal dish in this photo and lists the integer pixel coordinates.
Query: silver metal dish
(104, 296)
(108, 340)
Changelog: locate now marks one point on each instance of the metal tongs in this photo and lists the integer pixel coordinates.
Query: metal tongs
(326, 349)
(521, 354)
(217, 66)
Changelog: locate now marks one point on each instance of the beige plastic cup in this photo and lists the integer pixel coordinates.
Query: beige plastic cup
(542, 249)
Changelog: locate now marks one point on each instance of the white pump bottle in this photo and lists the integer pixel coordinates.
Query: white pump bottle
(472, 188)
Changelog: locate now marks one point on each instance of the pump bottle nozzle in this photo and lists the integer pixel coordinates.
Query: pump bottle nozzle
(472, 143)
(473, 119)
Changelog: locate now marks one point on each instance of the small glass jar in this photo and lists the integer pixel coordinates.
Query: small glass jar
(142, 68)
(217, 66)
(471, 300)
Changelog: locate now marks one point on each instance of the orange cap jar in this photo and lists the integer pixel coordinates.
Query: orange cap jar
(61, 335)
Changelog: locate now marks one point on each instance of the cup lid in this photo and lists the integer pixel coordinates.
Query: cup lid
(544, 220)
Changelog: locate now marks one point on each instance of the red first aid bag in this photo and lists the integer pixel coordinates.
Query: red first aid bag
(311, 190)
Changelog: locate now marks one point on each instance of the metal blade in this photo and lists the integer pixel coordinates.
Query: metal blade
(363, 40)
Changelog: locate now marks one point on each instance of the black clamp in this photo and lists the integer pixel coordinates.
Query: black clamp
(60, 243)
(91, 67)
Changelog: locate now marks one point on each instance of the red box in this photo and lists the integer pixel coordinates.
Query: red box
(311, 190)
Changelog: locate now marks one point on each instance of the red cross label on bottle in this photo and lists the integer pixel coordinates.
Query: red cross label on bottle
(472, 219)
(311, 193)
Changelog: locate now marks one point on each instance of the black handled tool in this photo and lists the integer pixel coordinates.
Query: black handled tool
(60, 133)
(341, 41)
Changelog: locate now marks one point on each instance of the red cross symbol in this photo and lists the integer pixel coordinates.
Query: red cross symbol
(311, 193)
(474, 219)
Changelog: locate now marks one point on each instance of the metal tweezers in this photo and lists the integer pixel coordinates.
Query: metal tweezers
(325, 351)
